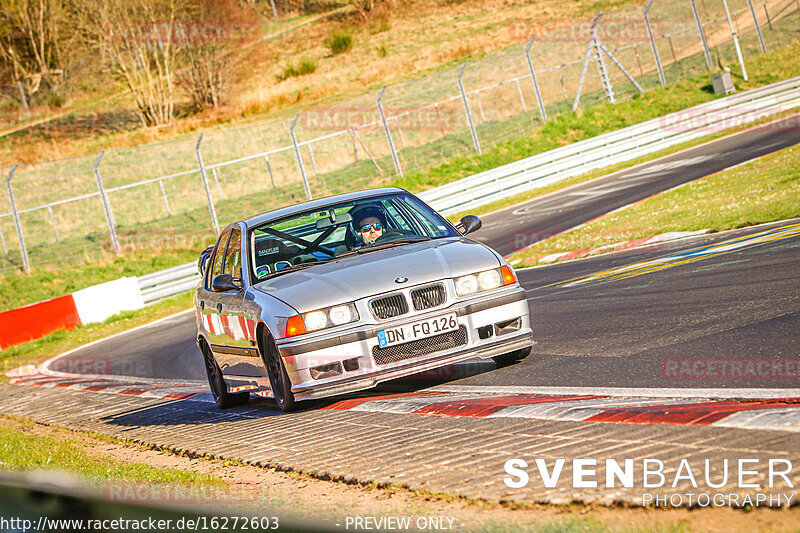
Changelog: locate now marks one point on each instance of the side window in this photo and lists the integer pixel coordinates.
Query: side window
(433, 227)
(233, 257)
(398, 219)
(219, 257)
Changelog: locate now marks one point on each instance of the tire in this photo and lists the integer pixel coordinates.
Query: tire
(279, 380)
(219, 389)
(511, 357)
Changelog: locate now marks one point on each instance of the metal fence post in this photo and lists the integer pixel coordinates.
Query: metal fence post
(216, 182)
(3, 240)
(582, 79)
(653, 44)
(269, 169)
(112, 231)
(521, 97)
(563, 86)
(475, 140)
(389, 133)
(274, 9)
(26, 264)
(702, 35)
(735, 40)
(601, 65)
(758, 28)
(164, 195)
(313, 160)
(356, 136)
(53, 222)
(535, 83)
(299, 158)
(211, 210)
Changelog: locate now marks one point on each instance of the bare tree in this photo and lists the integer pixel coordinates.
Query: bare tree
(34, 35)
(138, 37)
(366, 7)
(208, 38)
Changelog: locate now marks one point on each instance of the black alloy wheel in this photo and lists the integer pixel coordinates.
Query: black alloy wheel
(279, 380)
(219, 390)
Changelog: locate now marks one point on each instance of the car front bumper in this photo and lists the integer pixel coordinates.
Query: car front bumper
(476, 317)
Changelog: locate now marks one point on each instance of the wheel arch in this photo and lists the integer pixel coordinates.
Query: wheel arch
(201, 339)
(262, 328)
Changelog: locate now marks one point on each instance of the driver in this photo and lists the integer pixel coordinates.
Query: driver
(369, 222)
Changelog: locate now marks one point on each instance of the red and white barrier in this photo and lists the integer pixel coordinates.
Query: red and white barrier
(93, 304)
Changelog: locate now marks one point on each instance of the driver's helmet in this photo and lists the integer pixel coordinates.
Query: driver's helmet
(364, 211)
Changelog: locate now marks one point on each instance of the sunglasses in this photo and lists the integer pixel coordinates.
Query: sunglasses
(366, 227)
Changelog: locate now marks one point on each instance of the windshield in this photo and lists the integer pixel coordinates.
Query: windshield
(350, 227)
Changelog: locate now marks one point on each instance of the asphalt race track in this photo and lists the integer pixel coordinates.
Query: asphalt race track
(641, 331)
(634, 332)
(518, 226)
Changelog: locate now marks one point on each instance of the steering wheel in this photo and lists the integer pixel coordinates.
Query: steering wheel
(388, 235)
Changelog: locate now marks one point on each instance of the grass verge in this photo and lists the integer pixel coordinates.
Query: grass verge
(763, 190)
(22, 449)
(39, 350)
(117, 462)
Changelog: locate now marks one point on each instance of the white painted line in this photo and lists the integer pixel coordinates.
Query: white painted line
(639, 392)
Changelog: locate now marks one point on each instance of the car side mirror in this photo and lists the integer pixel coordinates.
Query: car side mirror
(469, 224)
(225, 283)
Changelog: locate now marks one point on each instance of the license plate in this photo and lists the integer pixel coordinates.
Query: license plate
(417, 330)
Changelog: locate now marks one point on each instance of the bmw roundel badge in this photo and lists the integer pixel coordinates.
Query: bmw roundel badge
(401, 280)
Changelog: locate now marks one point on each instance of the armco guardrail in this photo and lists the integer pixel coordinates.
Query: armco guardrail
(614, 147)
(169, 282)
(572, 160)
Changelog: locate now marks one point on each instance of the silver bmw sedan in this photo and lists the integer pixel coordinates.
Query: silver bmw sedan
(339, 294)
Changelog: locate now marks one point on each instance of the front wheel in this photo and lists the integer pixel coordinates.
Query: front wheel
(278, 377)
(219, 390)
(511, 357)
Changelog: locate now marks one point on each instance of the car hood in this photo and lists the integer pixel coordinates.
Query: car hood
(359, 276)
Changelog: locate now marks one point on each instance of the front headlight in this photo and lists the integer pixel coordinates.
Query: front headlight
(491, 279)
(484, 281)
(330, 316)
(466, 285)
(341, 314)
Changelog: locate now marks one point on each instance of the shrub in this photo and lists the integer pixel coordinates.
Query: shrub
(380, 25)
(306, 66)
(339, 41)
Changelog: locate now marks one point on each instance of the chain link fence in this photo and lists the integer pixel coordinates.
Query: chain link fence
(179, 193)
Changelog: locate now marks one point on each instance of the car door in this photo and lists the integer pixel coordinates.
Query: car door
(239, 357)
(209, 300)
